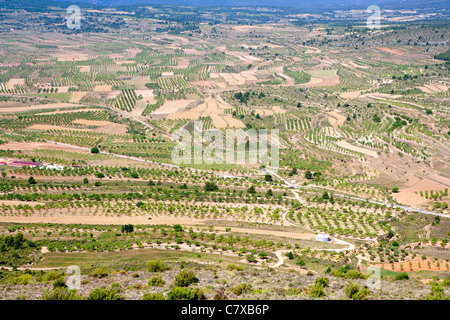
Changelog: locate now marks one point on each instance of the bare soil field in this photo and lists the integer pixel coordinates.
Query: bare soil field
(433, 88)
(172, 106)
(94, 123)
(77, 96)
(66, 111)
(390, 51)
(71, 56)
(416, 265)
(410, 194)
(102, 88)
(17, 202)
(350, 95)
(12, 82)
(213, 109)
(52, 127)
(182, 63)
(31, 146)
(86, 69)
(38, 107)
(113, 128)
(335, 119)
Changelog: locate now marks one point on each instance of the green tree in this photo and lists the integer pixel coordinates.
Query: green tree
(308, 175)
(31, 180)
(95, 150)
(211, 186)
(251, 190)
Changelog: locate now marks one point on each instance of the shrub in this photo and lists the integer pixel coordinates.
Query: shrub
(156, 266)
(220, 295)
(22, 279)
(316, 291)
(103, 294)
(355, 274)
(177, 293)
(351, 289)
(185, 278)
(401, 276)
(362, 294)
(116, 287)
(153, 296)
(322, 281)
(234, 267)
(241, 288)
(59, 283)
(156, 281)
(61, 294)
(100, 272)
(437, 293)
(52, 275)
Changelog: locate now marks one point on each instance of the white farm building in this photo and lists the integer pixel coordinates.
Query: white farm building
(322, 237)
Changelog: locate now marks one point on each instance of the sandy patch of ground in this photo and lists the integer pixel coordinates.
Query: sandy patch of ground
(85, 69)
(410, 195)
(335, 119)
(132, 53)
(390, 51)
(182, 63)
(77, 96)
(313, 81)
(350, 95)
(194, 51)
(367, 152)
(205, 83)
(63, 89)
(74, 56)
(52, 127)
(113, 128)
(94, 123)
(238, 78)
(329, 81)
(147, 96)
(213, 109)
(277, 109)
(38, 107)
(67, 111)
(12, 82)
(433, 88)
(416, 265)
(121, 62)
(102, 220)
(172, 106)
(290, 81)
(31, 146)
(264, 112)
(102, 88)
(16, 203)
